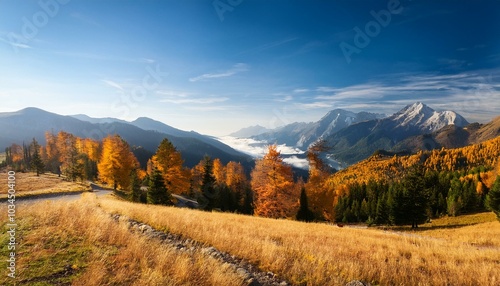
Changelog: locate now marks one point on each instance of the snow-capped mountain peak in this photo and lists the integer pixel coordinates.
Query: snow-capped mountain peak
(426, 119)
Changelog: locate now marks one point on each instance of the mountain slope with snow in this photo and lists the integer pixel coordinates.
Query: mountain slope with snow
(358, 141)
(426, 119)
(301, 135)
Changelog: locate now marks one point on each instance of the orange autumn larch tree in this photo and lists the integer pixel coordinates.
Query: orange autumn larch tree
(320, 196)
(272, 182)
(170, 164)
(117, 162)
(71, 165)
(219, 171)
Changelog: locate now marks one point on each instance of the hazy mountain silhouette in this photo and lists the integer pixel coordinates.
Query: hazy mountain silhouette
(21, 126)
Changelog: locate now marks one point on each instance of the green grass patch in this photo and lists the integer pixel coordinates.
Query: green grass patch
(48, 260)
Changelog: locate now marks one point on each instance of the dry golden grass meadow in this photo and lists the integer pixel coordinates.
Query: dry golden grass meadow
(79, 243)
(29, 184)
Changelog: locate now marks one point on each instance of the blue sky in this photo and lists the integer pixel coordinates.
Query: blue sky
(217, 66)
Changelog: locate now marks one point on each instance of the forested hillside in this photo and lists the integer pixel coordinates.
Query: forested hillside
(384, 189)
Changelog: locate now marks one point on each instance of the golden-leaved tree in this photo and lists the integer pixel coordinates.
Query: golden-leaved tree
(117, 162)
(235, 176)
(219, 171)
(170, 164)
(272, 182)
(71, 165)
(238, 184)
(320, 196)
(51, 154)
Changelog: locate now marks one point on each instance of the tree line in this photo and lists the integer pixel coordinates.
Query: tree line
(420, 190)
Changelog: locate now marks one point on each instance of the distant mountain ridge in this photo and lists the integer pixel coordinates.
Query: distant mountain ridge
(149, 124)
(355, 136)
(250, 131)
(358, 141)
(351, 136)
(84, 117)
(23, 125)
(302, 134)
(451, 136)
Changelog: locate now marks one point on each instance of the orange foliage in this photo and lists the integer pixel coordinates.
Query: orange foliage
(51, 151)
(219, 172)
(380, 168)
(235, 175)
(170, 164)
(89, 147)
(272, 182)
(16, 153)
(320, 196)
(196, 176)
(117, 162)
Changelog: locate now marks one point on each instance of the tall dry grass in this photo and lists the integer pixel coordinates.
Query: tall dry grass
(319, 254)
(99, 251)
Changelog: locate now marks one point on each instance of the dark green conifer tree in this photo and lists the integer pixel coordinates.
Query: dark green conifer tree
(36, 162)
(208, 190)
(493, 198)
(382, 212)
(158, 193)
(135, 187)
(304, 213)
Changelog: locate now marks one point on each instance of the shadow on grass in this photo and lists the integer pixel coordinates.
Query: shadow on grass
(444, 223)
(421, 228)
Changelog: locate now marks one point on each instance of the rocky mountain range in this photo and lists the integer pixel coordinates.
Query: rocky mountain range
(351, 136)
(358, 141)
(302, 134)
(355, 136)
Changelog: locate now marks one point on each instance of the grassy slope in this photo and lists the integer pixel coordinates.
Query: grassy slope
(28, 184)
(79, 243)
(319, 254)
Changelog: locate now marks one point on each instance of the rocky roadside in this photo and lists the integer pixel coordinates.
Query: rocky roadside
(250, 274)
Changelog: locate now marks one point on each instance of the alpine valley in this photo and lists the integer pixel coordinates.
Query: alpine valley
(353, 137)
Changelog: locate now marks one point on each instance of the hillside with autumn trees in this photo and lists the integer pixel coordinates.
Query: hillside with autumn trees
(383, 189)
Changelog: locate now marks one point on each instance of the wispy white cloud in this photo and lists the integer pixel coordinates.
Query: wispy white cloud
(20, 42)
(284, 99)
(472, 94)
(113, 84)
(355, 91)
(173, 93)
(314, 105)
(237, 68)
(208, 100)
(148, 61)
(325, 89)
(208, 108)
(300, 90)
(90, 56)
